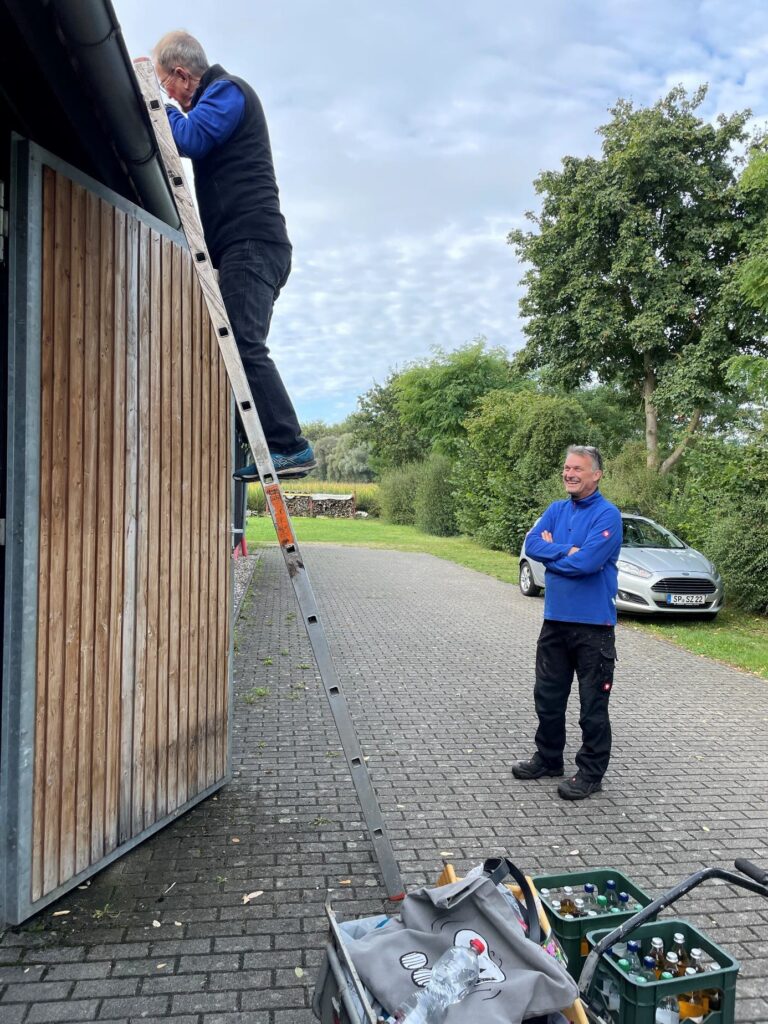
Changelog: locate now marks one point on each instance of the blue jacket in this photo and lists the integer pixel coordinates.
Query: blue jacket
(580, 587)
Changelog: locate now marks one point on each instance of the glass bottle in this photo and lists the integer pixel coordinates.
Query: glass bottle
(678, 947)
(580, 909)
(567, 906)
(623, 901)
(672, 964)
(556, 905)
(545, 895)
(697, 960)
(611, 894)
(667, 1008)
(714, 995)
(602, 904)
(589, 896)
(657, 952)
(693, 1005)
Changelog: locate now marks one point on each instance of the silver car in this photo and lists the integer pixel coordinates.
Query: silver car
(657, 573)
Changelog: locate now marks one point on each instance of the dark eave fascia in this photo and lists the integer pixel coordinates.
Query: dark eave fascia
(91, 33)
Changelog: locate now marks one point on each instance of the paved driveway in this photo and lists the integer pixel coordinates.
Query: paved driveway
(437, 664)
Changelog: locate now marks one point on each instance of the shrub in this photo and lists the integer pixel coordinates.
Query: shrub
(434, 504)
(397, 492)
(737, 543)
(629, 483)
(257, 503)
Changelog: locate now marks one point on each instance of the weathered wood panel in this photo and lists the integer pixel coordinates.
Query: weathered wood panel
(134, 590)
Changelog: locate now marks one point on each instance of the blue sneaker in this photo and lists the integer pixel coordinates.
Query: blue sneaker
(295, 466)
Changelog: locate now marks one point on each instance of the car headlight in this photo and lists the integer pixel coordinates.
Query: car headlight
(633, 570)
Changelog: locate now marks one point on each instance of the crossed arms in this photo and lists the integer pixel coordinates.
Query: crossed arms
(567, 559)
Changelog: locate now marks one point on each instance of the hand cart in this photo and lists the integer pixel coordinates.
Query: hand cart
(341, 998)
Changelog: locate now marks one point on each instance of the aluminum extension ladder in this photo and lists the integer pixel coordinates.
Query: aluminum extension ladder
(286, 537)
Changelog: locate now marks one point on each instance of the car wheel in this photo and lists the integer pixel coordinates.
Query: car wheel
(528, 586)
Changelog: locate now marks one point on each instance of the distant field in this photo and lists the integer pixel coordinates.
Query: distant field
(734, 638)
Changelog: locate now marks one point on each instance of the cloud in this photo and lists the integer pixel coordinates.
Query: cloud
(406, 139)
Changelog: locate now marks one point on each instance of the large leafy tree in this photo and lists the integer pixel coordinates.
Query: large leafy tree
(633, 262)
(422, 408)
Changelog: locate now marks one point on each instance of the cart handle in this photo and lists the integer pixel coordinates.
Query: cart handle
(587, 976)
(751, 870)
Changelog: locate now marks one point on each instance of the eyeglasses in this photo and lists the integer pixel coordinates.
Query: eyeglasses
(164, 81)
(594, 452)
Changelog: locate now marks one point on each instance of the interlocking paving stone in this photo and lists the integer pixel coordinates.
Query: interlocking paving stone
(437, 665)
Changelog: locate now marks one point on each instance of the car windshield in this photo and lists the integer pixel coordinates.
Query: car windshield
(640, 533)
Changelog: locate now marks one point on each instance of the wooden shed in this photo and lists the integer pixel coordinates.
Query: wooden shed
(117, 461)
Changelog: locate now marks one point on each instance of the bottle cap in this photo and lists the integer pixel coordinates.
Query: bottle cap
(568, 917)
(591, 913)
(696, 953)
(657, 943)
(672, 957)
(690, 970)
(666, 976)
(633, 946)
(477, 945)
(568, 889)
(640, 979)
(579, 902)
(544, 892)
(648, 961)
(714, 966)
(615, 910)
(678, 938)
(610, 883)
(624, 897)
(624, 964)
(602, 900)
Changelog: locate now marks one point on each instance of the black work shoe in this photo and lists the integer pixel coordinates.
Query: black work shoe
(536, 769)
(578, 788)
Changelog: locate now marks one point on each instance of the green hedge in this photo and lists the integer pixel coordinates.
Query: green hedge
(434, 504)
(397, 492)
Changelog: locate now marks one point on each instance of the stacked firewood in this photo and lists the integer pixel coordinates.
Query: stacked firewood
(299, 504)
(334, 506)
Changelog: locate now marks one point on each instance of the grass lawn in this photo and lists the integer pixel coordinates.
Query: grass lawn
(734, 638)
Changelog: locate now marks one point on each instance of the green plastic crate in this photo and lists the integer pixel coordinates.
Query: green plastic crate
(573, 934)
(637, 1003)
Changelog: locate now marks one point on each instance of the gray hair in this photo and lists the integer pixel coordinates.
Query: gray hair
(589, 452)
(180, 49)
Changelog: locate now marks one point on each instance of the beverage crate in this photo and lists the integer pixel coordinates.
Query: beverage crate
(573, 934)
(637, 1003)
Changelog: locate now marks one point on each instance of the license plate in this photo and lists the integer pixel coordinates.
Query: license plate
(686, 599)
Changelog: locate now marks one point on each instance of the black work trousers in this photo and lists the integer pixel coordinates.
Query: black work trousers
(251, 275)
(590, 652)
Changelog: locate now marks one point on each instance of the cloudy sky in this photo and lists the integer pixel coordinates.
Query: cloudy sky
(406, 137)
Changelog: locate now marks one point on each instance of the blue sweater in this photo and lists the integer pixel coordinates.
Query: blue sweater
(210, 123)
(580, 587)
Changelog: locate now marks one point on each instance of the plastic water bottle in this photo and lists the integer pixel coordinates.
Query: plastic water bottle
(633, 956)
(454, 975)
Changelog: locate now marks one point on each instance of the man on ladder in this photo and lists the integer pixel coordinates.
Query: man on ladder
(224, 132)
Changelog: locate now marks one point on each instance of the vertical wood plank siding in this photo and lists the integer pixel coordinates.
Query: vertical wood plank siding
(134, 595)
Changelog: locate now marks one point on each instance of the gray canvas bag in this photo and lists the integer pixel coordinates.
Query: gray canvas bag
(518, 979)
